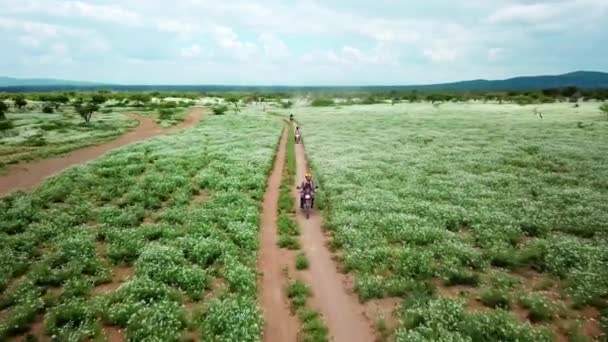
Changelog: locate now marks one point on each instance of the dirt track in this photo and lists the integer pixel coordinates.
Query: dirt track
(24, 176)
(341, 311)
(280, 324)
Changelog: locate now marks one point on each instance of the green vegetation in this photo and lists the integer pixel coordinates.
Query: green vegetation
(219, 109)
(417, 192)
(604, 109)
(34, 126)
(302, 261)
(34, 135)
(322, 102)
(313, 329)
(287, 226)
(134, 211)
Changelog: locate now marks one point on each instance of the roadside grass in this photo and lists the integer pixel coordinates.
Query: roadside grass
(459, 192)
(313, 328)
(132, 209)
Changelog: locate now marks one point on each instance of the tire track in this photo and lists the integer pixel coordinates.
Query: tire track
(341, 311)
(280, 324)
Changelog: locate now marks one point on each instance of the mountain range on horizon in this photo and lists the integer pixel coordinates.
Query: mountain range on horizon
(580, 79)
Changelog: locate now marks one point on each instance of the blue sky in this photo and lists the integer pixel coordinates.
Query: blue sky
(298, 42)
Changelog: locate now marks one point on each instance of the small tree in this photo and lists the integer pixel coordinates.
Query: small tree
(3, 109)
(59, 100)
(604, 109)
(19, 101)
(140, 99)
(286, 104)
(98, 99)
(85, 110)
(219, 109)
(234, 100)
(47, 108)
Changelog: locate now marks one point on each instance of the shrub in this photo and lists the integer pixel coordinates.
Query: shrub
(301, 262)
(47, 109)
(5, 124)
(233, 318)
(495, 298)
(322, 102)
(539, 308)
(461, 277)
(219, 109)
(165, 114)
(298, 292)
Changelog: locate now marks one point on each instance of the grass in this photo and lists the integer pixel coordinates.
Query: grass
(302, 262)
(459, 191)
(287, 227)
(36, 135)
(132, 209)
(312, 327)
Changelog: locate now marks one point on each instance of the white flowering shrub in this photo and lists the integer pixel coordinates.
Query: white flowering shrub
(417, 193)
(134, 208)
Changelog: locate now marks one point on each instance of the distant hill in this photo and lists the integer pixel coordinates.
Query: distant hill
(38, 82)
(580, 79)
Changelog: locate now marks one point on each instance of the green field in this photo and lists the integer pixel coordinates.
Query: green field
(485, 222)
(159, 239)
(36, 135)
(490, 222)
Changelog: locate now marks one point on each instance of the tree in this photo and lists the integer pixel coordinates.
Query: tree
(286, 104)
(604, 108)
(140, 99)
(235, 101)
(3, 109)
(19, 101)
(85, 110)
(219, 109)
(569, 91)
(60, 100)
(98, 99)
(47, 109)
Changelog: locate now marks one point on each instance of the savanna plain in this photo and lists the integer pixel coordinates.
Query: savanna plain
(449, 221)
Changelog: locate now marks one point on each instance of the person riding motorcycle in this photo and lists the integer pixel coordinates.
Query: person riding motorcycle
(307, 186)
(297, 135)
(290, 117)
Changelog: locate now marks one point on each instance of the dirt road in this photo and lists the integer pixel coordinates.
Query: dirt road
(24, 176)
(280, 324)
(342, 312)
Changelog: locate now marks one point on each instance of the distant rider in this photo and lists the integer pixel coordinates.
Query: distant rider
(307, 186)
(290, 117)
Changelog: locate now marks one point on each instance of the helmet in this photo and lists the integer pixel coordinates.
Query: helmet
(308, 175)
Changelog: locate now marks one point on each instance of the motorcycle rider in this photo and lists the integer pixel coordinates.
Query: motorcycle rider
(290, 117)
(297, 134)
(307, 186)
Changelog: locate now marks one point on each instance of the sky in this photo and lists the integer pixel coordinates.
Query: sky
(300, 42)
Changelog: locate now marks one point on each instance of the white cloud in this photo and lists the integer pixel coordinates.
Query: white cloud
(109, 13)
(494, 53)
(442, 53)
(183, 30)
(191, 51)
(232, 47)
(551, 15)
(29, 41)
(273, 46)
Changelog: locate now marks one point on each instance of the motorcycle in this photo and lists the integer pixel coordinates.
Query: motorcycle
(298, 138)
(307, 196)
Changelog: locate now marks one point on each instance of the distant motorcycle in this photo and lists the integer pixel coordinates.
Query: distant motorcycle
(298, 138)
